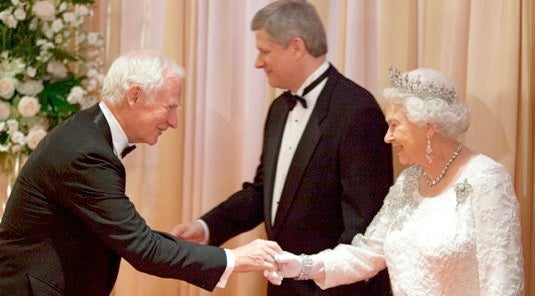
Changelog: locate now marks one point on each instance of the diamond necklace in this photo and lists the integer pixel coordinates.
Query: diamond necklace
(432, 182)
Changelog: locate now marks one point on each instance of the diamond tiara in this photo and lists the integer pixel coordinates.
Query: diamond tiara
(419, 88)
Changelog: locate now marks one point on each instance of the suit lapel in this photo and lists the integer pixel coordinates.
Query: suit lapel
(305, 150)
(276, 122)
(98, 118)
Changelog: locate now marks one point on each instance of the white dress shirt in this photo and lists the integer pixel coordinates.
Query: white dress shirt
(118, 136)
(293, 130)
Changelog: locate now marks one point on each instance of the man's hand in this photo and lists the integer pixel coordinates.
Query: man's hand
(193, 232)
(256, 255)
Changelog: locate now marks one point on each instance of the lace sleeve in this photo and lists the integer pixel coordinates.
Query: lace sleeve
(364, 258)
(497, 229)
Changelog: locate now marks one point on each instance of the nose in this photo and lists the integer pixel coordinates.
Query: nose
(172, 119)
(388, 137)
(259, 62)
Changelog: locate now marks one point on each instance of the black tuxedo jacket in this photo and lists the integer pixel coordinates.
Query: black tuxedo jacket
(336, 183)
(68, 222)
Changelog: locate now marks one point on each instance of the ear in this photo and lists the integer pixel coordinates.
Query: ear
(431, 129)
(298, 46)
(133, 94)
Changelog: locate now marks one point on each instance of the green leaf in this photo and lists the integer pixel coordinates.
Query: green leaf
(82, 1)
(53, 100)
(4, 137)
(61, 54)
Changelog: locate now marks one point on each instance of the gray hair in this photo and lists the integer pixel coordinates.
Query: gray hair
(148, 69)
(287, 19)
(452, 117)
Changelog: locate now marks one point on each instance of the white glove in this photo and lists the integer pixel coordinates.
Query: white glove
(273, 277)
(290, 265)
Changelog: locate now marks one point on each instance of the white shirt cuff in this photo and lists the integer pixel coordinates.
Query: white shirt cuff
(206, 232)
(231, 262)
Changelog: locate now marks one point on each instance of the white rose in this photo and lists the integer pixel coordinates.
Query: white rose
(81, 37)
(92, 85)
(92, 38)
(76, 95)
(16, 148)
(49, 33)
(28, 106)
(44, 10)
(11, 22)
(92, 73)
(5, 110)
(17, 137)
(7, 87)
(31, 71)
(33, 24)
(57, 25)
(3, 15)
(58, 39)
(69, 18)
(62, 6)
(11, 67)
(20, 14)
(81, 10)
(30, 87)
(34, 137)
(12, 126)
(57, 69)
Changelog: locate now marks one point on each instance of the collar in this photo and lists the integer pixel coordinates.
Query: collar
(320, 70)
(118, 136)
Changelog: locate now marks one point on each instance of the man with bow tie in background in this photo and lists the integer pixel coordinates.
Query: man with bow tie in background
(324, 168)
(68, 221)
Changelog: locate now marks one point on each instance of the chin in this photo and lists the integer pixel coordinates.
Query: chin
(274, 83)
(403, 160)
(152, 141)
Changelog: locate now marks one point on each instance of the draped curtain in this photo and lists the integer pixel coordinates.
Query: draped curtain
(485, 46)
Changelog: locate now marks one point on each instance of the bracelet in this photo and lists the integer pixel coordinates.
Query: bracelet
(306, 266)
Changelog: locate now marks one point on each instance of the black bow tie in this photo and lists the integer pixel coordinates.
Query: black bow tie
(292, 99)
(127, 150)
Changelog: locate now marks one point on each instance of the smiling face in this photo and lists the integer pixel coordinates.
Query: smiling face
(408, 140)
(155, 113)
(279, 62)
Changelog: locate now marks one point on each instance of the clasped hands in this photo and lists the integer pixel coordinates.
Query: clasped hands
(267, 256)
(258, 255)
(288, 266)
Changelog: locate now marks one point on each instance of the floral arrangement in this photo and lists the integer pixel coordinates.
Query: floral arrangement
(49, 69)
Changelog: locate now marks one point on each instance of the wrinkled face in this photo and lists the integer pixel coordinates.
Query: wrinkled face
(277, 61)
(156, 113)
(408, 140)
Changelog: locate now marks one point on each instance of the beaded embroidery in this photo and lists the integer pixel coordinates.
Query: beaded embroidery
(462, 190)
(402, 202)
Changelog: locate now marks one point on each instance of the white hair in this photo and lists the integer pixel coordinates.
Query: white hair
(148, 69)
(451, 118)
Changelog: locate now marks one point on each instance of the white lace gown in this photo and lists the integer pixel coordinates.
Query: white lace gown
(465, 241)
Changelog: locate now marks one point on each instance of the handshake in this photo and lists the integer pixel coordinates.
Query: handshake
(258, 255)
(267, 256)
(289, 266)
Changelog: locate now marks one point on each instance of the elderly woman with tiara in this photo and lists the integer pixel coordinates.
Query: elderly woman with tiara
(450, 223)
